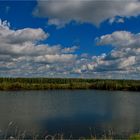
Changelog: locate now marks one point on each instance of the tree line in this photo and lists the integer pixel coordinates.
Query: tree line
(67, 83)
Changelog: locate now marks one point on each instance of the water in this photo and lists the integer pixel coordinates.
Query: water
(71, 112)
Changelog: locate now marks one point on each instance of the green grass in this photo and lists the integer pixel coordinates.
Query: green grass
(135, 137)
(67, 83)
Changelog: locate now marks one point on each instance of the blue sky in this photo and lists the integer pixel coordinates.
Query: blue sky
(70, 38)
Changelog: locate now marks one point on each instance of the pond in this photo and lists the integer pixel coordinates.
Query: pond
(73, 113)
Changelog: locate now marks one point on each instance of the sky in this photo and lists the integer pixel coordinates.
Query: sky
(70, 38)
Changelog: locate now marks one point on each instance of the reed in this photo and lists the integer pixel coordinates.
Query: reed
(13, 133)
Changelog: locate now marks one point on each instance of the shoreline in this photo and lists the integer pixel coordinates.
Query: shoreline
(11, 84)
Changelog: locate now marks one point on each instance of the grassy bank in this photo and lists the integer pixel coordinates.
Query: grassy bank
(59, 83)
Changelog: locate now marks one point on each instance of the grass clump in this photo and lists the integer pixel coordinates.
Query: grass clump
(135, 137)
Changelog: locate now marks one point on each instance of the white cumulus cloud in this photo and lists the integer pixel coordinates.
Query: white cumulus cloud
(23, 54)
(125, 56)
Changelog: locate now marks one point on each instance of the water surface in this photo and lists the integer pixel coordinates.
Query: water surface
(71, 112)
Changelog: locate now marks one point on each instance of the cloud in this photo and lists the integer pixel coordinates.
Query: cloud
(55, 58)
(61, 12)
(26, 42)
(70, 49)
(57, 22)
(125, 56)
(116, 20)
(22, 53)
(20, 36)
(123, 62)
(120, 39)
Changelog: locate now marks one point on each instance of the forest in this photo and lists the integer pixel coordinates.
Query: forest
(68, 83)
